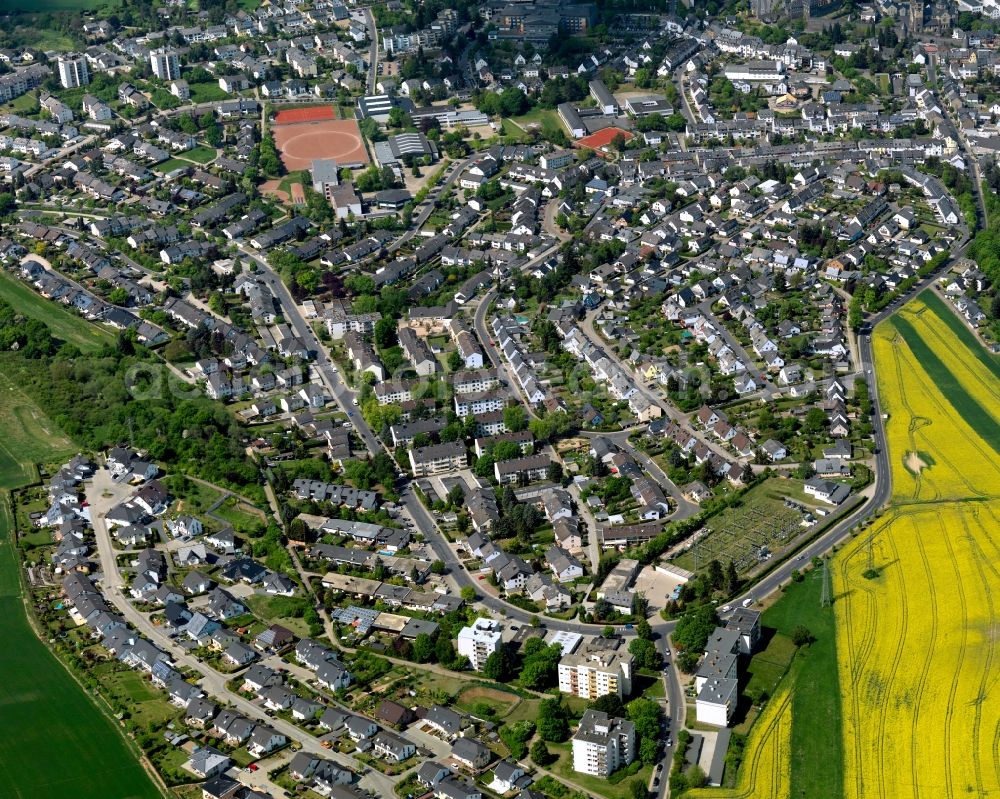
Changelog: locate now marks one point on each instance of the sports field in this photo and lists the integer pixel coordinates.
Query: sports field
(307, 138)
(54, 741)
(29, 436)
(67, 326)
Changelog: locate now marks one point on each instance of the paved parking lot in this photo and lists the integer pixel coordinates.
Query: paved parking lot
(656, 587)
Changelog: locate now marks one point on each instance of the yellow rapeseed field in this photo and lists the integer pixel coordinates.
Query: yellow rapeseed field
(962, 363)
(764, 772)
(916, 651)
(917, 645)
(958, 463)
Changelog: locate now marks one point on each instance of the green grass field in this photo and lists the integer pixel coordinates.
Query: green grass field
(768, 666)
(194, 497)
(25, 104)
(479, 698)
(171, 164)
(540, 116)
(241, 516)
(29, 437)
(512, 129)
(67, 326)
(206, 93)
(280, 610)
(817, 747)
(148, 704)
(199, 155)
(54, 741)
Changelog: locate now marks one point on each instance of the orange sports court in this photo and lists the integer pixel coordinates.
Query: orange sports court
(303, 135)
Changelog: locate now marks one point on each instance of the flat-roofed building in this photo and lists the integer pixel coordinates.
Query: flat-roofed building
(479, 641)
(602, 745)
(596, 670)
(438, 458)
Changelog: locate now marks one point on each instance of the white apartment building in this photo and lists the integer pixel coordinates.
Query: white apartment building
(479, 641)
(474, 382)
(438, 458)
(592, 673)
(73, 71)
(602, 745)
(755, 70)
(476, 404)
(716, 701)
(165, 64)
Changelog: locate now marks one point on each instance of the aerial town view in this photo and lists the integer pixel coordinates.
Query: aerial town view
(512, 399)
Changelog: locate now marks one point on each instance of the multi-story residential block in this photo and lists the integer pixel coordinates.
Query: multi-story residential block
(602, 745)
(595, 671)
(165, 64)
(475, 404)
(438, 458)
(479, 641)
(474, 382)
(529, 468)
(73, 71)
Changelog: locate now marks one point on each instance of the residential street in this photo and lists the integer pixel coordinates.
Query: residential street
(105, 495)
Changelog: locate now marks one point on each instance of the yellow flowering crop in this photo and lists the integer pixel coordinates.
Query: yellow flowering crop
(917, 645)
(764, 772)
(956, 462)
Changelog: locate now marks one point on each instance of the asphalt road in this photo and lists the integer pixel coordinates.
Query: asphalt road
(322, 363)
(452, 173)
(373, 51)
(882, 471)
(445, 552)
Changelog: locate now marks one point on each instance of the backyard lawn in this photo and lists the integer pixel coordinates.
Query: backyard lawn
(200, 155)
(165, 167)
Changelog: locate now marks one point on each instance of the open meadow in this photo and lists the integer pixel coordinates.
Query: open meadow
(29, 437)
(69, 327)
(48, 724)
